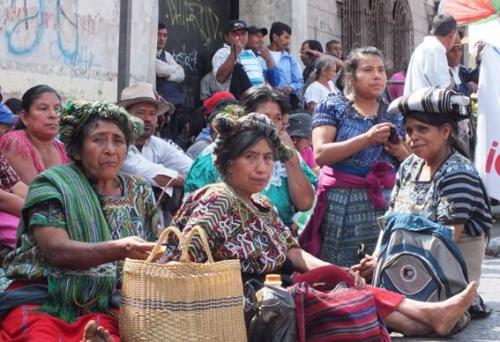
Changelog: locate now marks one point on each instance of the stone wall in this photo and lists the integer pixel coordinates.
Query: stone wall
(264, 12)
(73, 46)
(422, 12)
(324, 21)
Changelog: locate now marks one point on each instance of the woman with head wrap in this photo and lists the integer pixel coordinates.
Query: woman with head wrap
(241, 223)
(78, 223)
(290, 187)
(438, 181)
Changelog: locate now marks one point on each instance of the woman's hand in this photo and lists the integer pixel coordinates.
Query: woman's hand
(379, 133)
(358, 280)
(134, 247)
(366, 266)
(286, 139)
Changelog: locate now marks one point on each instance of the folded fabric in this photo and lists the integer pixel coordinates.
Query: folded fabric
(430, 100)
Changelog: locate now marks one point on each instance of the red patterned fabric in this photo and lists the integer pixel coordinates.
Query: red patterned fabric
(341, 315)
(24, 324)
(331, 275)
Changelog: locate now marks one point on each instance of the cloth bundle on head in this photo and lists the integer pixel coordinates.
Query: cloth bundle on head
(232, 111)
(228, 128)
(77, 113)
(432, 101)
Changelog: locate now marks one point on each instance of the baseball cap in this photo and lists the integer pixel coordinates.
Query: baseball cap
(218, 100)
(235, 25)
(255, 30)
(300, 125)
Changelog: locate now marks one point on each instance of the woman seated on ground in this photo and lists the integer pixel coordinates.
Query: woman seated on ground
(78, 223)
(33, 147)
(438, 181)
(290, 187)
(241, 223)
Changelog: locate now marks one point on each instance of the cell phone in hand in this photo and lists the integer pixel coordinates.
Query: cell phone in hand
(361, 251)
(393, 136)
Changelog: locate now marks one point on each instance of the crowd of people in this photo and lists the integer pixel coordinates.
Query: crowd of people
(287, 169)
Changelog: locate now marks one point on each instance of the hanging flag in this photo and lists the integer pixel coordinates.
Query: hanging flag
(468, 11)
(488, 145)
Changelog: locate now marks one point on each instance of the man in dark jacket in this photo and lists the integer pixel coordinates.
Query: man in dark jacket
(465, 79)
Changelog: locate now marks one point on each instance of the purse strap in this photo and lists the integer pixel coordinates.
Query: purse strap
(196, 230)
(184, 243)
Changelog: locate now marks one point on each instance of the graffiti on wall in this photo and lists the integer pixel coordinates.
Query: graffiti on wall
(194, 33)
(196, 17)
(69, 37)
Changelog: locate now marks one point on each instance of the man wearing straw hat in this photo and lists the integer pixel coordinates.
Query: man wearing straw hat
(150, 157)
(465, 79)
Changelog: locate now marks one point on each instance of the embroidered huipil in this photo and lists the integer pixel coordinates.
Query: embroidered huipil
(251, 232)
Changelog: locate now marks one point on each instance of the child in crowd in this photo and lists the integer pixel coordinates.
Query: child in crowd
(300, 130)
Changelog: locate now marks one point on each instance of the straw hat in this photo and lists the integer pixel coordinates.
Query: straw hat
(143, 92)
(460, 41)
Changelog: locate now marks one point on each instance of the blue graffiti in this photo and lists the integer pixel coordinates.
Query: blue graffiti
(21, 50)
(69, 50)
(70, 55)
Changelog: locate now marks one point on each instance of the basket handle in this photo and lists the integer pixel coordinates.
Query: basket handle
(196, 230)
(163, 236)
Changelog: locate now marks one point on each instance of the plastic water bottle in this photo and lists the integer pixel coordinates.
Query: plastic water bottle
(273, 280)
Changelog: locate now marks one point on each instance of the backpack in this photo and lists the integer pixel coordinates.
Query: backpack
(419, 259)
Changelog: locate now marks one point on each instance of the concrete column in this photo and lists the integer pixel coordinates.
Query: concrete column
(142, 38)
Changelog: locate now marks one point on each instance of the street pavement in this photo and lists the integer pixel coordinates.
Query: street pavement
(487, 329)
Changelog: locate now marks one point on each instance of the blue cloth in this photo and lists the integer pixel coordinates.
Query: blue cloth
(290, 72)
(336, 111)
(5, 115)
(252, 67)
(467, 75)
(272, 76)
(205, 134)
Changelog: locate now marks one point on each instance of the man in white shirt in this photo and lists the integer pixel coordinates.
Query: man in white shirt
(234, 52)
(428, 65)
(151, 157)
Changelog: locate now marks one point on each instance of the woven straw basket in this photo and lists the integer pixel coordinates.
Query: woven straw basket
(182, 301)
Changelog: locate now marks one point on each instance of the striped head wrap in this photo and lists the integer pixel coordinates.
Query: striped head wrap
(431, 101)
(77, 113)
(228, 128)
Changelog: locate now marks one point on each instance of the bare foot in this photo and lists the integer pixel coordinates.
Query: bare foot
(95, 333)
(446, 314)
